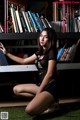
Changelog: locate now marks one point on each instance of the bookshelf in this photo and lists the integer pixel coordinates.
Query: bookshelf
(20, 17)
(66, 14)
(62, 67)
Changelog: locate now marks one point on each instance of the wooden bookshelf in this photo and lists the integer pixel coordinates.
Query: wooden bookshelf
(9, 37)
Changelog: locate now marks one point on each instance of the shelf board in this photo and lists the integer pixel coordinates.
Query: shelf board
(18, 36)
(68, 66)
(68, 35)
(23, 46)
(30, 68)
(18, 68)
(34, 35)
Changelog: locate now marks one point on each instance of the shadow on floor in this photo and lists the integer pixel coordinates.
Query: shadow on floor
(63, 109)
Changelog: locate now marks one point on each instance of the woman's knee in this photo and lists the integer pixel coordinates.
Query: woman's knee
(29, 110)
(15, 90)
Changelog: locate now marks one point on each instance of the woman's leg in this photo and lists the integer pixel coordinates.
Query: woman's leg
(40, 103)
(28, 90)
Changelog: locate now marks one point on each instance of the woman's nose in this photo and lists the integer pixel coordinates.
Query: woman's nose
(42, 38)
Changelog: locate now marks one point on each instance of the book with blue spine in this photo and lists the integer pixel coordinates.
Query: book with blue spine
(37, 22)
(60, 52)
(32, 18)
(40, 21)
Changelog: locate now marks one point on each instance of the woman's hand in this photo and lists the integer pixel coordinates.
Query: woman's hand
(2, 48)
(39, 91)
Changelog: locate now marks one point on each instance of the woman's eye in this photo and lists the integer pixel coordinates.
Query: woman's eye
(46, 37)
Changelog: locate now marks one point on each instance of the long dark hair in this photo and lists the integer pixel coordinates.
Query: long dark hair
(52, 37)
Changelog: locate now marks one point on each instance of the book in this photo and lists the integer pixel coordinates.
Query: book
(1, 29)
(24, 16)
(48, 23)
(43, 21)
(60, 52)
(71, 53)
(31, 14)
(19, 21)
(78, 21)
(67, 57)
(25, 29)
(14, 19)
(30, 22)
(40, 21)
(37, 22)
(76, 25)
(64, 54)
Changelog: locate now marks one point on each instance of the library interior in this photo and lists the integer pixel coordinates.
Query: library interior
(21, 21)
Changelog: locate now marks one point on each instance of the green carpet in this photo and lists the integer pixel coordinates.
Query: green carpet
(65, 112)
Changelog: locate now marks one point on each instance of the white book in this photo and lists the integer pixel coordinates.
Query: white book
(48, 22)
(78, 21)
(13, 19)
(1, 29)
(19, 21)
(23, 13)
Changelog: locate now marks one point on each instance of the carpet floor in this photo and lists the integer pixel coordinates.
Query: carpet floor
(69, 111)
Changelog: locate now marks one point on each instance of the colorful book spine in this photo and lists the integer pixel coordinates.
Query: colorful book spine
(33, 21)
(60, 52)
(40, 21)
(37, 22)
(29, 21)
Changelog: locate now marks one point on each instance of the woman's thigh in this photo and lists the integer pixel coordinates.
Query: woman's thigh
(40, 103)
(30, 88)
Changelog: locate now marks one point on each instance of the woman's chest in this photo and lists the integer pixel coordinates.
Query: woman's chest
(42, 61)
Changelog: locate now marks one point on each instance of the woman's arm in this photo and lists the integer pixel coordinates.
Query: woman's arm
(19, 60)
(27, 60)
(48, 76)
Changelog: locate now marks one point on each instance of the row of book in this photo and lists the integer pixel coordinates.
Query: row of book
(70, 26)
(27, 21)
(68, 15)
(68, 53)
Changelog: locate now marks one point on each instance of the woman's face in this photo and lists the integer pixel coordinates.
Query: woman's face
(43, 39)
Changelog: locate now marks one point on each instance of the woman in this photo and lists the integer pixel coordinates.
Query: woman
(44, 90)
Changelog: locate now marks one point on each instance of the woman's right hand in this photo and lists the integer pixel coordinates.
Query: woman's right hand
(2, 48)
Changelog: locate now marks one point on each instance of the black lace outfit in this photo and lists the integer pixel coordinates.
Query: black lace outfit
(42, 65)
